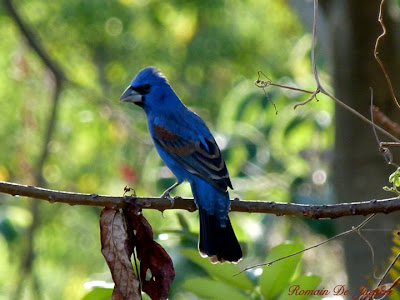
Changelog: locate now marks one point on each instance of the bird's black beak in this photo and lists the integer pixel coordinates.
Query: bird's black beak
(130, 95)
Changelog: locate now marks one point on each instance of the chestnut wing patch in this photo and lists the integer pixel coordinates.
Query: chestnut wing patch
(165, 134)
(202, 160)
(172, 142)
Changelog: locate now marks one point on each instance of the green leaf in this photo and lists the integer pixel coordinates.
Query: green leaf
(211, 289)
(98, 294)
(224, 272)
(276, 277)
(395, 178)
(302, 288)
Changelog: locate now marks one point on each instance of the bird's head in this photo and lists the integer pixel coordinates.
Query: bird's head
(150, 90)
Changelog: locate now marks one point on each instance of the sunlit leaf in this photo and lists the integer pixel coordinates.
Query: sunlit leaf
(277, 276)
(224, 272)
(98, 294)
(302, 288)
(211, 289)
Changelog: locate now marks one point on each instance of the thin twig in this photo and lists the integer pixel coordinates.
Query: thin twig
(390, 144)
(385, 151)
(370, 248)
(388, 269)
(372, 115)
(313, 60)
(386, 122)
(321, 89)
(353, 111)
(314, 42)
(264, 84)
(360, 116)
(314, 94)
(278, 208)
(290, 88)
(376, 54)
(353, 229)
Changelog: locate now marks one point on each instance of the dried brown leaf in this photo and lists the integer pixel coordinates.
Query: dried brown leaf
(117, 251)
(156, 267)
(116, 295)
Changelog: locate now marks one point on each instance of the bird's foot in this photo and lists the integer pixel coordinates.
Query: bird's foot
(166, 195)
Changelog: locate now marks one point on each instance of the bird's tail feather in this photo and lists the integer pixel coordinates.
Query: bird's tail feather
(216, 242)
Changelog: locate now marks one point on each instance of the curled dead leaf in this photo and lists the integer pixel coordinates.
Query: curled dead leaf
(117, 252)
(156, 267)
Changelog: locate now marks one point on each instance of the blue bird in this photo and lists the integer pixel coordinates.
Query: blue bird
(187, 147)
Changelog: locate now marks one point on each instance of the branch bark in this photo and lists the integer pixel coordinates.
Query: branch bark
(331, 211)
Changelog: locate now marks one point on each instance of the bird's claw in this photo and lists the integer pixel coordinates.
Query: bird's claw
(166, 195)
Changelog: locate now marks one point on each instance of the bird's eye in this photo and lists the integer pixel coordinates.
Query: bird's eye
(146, 87)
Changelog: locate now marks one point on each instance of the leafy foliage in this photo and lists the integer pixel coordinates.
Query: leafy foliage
(211, 52)
(274, 282)
(394, 179)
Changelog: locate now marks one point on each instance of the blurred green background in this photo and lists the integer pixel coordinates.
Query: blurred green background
(210, 51)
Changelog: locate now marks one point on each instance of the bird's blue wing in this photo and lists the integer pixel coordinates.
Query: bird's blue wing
(201, 158)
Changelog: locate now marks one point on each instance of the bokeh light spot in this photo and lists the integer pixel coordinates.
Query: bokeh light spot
(114, 26)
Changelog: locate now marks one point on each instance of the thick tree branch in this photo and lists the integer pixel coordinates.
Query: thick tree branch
(278, 208)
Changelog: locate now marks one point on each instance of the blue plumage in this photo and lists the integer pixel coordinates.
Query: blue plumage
(188, 148)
